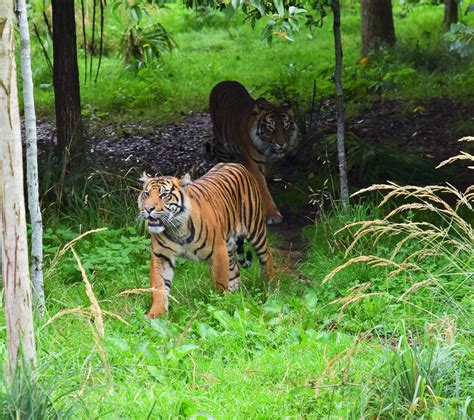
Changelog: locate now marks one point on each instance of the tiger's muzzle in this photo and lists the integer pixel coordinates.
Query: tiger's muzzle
(279, 150)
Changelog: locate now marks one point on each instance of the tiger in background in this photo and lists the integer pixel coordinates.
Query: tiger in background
(205, 219)
(253, 132)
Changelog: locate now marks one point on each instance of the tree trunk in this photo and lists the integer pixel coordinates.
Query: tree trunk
(17, 290)
(66, 80)
(376, 24)
(341, 152)
(451, 12)
(31, 160)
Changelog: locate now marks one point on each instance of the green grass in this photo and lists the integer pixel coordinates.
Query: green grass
(262, 352)
(419, 67)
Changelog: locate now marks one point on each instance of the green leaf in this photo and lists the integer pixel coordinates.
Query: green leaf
(119, 343)
(157, 373)
(279, 7)
(469, 9)
(267, 32)
(295, 10)
(273, 306)
(136, 13)
(186, 349)
(258, 4)
(205, 331)
(115, 6)
(311, 300)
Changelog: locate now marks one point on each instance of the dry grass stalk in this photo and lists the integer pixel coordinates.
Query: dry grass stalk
(145, 290)
(431, 235)
(186, 328)
(354, 297)
(444, 327)
(68, 246)
(80, 312)
(116, 316)
(448, 211)
(372, 260)
(88, 376)
(95, 308)
(102, 353)
(461, 156)
(414, 288)
(450, 240)
(345, 354)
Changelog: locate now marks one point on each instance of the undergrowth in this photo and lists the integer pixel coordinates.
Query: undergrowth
(211, 48)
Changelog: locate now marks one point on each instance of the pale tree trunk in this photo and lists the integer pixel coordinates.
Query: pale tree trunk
(341, 151)
(451, 12)
(376, 24)
(17, 287)
(31, 160)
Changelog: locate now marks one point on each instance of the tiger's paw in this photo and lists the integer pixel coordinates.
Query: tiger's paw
(275, 218)
(155, 313)
(233, 286)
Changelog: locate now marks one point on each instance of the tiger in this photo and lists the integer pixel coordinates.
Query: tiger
(204, 219)
(253, 132)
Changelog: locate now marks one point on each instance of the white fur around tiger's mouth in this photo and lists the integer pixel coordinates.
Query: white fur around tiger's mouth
(155, 225)
(154, 222)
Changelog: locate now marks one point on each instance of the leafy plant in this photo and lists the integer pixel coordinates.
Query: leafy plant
(460, 38)
(144, 40)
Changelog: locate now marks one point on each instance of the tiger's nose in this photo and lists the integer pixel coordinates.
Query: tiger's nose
(149, 209)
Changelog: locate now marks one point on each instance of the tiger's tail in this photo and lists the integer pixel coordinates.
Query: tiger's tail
(245, 259)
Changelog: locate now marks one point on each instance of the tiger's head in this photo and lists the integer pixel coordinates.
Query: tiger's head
(163, 202)
(274, 130)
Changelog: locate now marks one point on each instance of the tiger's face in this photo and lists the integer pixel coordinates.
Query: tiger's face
(274, 132)
(163, 202)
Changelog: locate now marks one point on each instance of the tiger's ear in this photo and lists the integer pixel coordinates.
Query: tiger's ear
(261, 104)
(287, 105)
(144, 177)
(185, 180)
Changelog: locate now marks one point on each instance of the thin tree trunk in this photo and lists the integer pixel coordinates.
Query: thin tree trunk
(31, 160)
(66, 79)
(17, 288)
(451, 12)
(376, 24)
(341, 152)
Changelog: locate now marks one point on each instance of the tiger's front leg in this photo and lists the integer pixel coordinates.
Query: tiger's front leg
(161, 276)
(220, 266)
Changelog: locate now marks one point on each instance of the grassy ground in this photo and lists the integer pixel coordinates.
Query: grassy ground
(265, 351)
(214, 49)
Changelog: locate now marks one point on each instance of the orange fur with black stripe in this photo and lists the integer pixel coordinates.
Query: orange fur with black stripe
(206, 219)
(254, 132)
